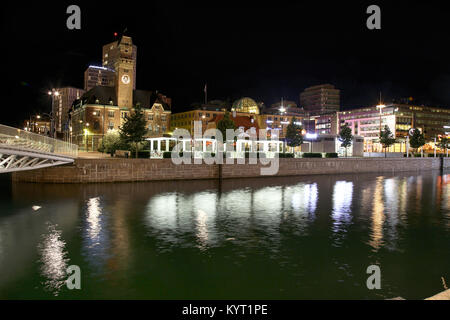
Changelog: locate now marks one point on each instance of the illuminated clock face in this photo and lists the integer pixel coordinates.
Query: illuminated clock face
(126, 79)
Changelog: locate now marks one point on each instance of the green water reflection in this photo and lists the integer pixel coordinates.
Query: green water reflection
(272, 238)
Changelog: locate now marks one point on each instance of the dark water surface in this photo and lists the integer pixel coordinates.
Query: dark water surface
(268, 238)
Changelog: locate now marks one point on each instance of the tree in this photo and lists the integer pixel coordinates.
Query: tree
(386, 138)
(110, 143)
(294, 136)
(134, 128)
(444, 143)
(417, 139)
(224, 124)
(345, 137)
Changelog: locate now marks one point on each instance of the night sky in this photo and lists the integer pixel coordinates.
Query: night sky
(258, 50)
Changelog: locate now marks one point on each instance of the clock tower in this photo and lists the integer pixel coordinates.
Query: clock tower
(121, 57)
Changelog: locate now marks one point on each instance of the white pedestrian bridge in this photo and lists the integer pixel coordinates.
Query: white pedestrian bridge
(22, 150)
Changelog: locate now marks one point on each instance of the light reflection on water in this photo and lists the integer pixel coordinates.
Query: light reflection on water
(342, 201)
(310, 237)
(54, 260)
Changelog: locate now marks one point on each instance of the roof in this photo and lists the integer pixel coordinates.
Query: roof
(239, 121)
(103, 95)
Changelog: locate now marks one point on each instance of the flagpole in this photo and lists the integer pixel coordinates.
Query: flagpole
(206, 93)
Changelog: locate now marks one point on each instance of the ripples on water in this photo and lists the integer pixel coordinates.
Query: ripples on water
(310, 237)
(53, 259)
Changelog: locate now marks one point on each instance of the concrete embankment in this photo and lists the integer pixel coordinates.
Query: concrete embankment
(128, 170)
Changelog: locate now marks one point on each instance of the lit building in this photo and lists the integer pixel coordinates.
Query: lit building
(38, 124)
(98, 76)
(279, 115)
(245, 105)
(121, 56)
(401, 118)
(113, 97)
(243, 123)
(203, 113)
(320, 99)
(62, 100)
(325, 123)
(97, 113)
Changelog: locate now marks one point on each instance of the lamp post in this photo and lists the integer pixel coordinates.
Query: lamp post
(53, 93)
(380, 106)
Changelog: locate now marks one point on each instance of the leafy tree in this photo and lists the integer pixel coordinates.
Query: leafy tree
(134, 128)
(345, 137)
(386, 138)
(417, 139)
(224, 124)
(294, 136)
(110, 143)
(444, 143)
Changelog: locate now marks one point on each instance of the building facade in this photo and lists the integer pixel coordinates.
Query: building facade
(400, 118)
(121, 56)
(38, 124)
(320, 99)
(97, 113)
(61, 104)
(204, 113)
(98, 76)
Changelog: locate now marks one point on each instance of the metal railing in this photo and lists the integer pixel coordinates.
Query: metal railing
(22, 139)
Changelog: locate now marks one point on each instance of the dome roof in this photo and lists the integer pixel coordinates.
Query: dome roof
(246, 105)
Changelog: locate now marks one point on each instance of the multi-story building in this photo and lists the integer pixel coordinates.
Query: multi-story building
(203, 113)
(121, 56)
(325, 123)
(98, 76)
(62, 100)
(279, 115)
(401, 118)
(106, 105)
(38, 124)
(276, 117)
(320, 99)
(97, 113)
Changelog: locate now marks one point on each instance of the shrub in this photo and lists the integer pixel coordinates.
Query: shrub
(187, 154)
(331, 155)
(286, 155)
(209, 155)
(141, 154)
(417, 155)
(312, 155)
(167, 155)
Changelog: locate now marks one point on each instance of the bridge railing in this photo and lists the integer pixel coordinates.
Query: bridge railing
(22, 139)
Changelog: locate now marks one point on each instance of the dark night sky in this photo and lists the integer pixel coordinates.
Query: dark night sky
(257, 50)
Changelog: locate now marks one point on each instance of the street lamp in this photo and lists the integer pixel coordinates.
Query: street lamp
(53, 93)
(282, 108)
(380, 106)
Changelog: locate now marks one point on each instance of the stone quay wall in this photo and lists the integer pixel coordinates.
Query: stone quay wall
(129, 170)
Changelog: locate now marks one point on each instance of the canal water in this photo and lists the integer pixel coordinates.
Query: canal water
(269, 238)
